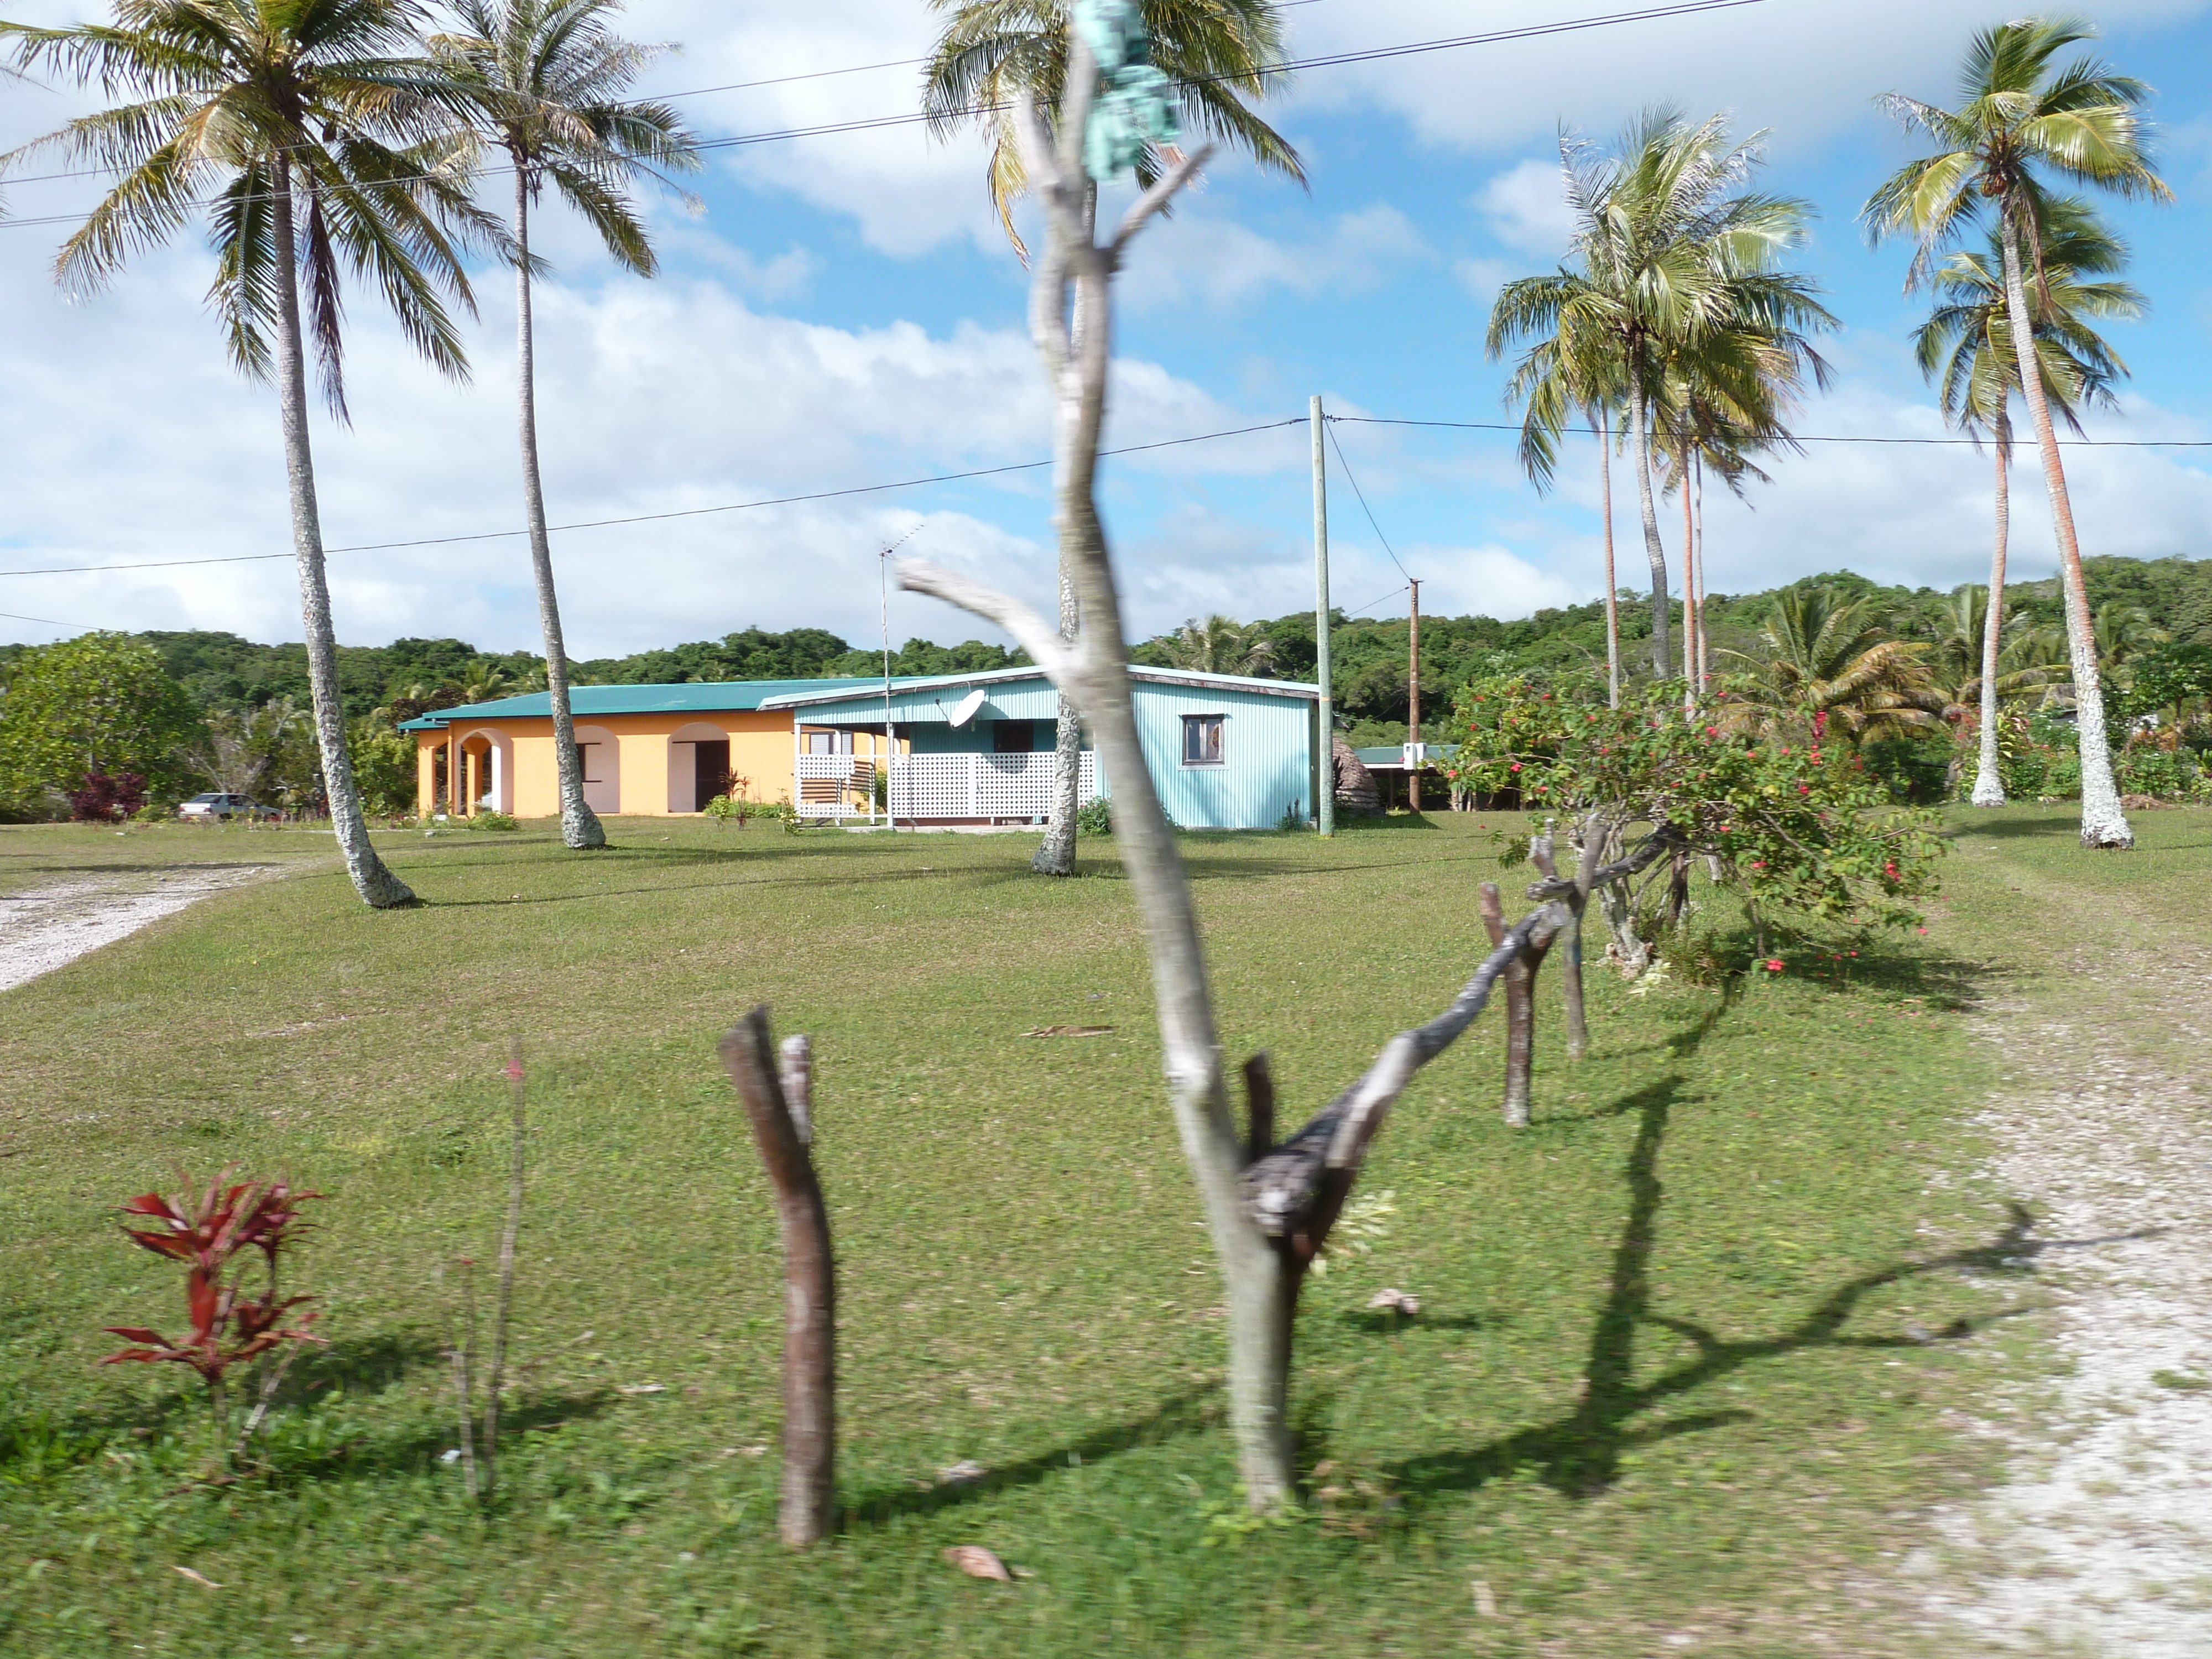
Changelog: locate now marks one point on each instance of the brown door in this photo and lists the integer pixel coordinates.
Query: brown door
(711, 775)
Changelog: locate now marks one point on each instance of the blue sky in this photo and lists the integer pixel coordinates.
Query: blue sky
(845, 311)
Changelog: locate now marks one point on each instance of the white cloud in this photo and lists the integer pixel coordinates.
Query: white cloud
(1225, 264)
(127, 439)
(1526, 209)
(1804, 70)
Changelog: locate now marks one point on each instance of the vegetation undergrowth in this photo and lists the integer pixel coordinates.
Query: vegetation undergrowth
(1685, 1355)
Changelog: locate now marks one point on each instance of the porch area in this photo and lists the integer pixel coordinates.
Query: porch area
(966, 787)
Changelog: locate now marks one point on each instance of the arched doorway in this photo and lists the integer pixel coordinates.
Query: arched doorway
(487, 771)
(698, 766)
(601, 754)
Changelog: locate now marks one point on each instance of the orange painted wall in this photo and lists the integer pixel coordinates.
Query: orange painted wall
(760, 752)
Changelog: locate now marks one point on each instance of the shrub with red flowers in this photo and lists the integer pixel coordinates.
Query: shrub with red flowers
(207, 1230)
(1794, 827)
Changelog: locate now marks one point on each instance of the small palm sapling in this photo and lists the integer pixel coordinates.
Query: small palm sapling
(208, 1229)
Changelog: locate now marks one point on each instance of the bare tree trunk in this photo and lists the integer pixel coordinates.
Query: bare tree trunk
(2103, 823)
(783, 1131)
(1611, 583)
(1704, 639)
(1519, 1012)
(579, 826)
(1056, 856)
(1988, 781)
(1571, 985)
(1640, 441)
(377, 885)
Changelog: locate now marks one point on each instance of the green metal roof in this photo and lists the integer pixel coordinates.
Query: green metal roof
(700, 696)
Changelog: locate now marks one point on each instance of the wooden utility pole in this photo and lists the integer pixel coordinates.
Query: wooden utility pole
(1414, 700)
(1325, 745)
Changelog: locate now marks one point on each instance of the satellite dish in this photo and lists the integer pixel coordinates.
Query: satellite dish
(964, 710)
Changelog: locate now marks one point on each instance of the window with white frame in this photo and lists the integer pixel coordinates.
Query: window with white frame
(1203, 738)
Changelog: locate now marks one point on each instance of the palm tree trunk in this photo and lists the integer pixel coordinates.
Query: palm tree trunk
(1703, 671)
(1689, 588)
(1988, 780)
(377, 885)
(579, 826)
(2103, 823)
(1640, 442)
(1056, 856)
(1612, 584)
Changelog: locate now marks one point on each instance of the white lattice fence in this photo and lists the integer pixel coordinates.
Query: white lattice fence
(977, 786)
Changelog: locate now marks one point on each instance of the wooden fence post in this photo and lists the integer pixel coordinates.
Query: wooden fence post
(780, 1107)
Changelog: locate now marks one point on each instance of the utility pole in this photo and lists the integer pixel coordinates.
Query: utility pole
(1325, 756)
(1414, 702)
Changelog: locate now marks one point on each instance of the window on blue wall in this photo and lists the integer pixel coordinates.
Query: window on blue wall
(1202, 739)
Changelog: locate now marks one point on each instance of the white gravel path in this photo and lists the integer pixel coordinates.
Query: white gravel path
(2100, 1544)
(50, 927)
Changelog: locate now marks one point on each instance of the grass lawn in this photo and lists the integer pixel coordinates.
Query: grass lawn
(1665, 1381)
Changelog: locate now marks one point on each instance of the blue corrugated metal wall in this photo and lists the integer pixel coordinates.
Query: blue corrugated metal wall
(1267, 766)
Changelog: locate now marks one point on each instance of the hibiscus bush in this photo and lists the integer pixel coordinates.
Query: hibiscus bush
(1802, 827)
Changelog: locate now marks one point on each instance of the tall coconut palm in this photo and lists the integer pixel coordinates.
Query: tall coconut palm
(316, 139)
(2021, 116)
(544, 81)
(1572, 370)
(1823, 664)
(1220, 56)
(1966, 348)
(1670, 253)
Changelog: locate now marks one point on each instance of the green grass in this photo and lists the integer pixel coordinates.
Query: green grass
(1662, 1381)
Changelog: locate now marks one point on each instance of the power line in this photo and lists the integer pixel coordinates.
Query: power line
(1801, 437)
(1363, 508)
(869, 124)
(655, 517)
(46, 621)
(1392, 594)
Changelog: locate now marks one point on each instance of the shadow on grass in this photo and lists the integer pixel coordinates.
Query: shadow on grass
(1187, 1411)
(287, 1461)
(1381, 1321)
(1579, 1455)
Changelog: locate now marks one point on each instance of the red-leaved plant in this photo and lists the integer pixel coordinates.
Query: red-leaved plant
(206, 1229)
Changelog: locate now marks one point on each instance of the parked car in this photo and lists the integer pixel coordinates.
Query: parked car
(225, 807)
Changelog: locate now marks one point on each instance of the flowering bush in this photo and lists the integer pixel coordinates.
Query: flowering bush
(1795, 826)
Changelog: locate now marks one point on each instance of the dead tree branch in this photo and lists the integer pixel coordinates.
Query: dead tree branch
(782, 1129)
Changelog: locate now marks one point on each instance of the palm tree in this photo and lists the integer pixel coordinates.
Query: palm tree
(2021, 116)
(324, 144)
(2123, 633)
(1673, 262)
(1219, 646)
(1824, 662)
(544, 82)
(1572, 370)
(1965, 347)
(2029, 658)
(1218, 56)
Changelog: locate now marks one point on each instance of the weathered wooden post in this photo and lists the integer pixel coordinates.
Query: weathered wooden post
(779, 1101)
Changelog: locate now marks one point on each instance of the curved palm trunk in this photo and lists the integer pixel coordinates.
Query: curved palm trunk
(1690, 622)
(1056, 857)
(1612, 584)
(579, 826)
(2103, 823)
(377, 885)
(1639, 439)
(1988, 780)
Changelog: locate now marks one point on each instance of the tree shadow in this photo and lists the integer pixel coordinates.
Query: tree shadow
(1381, 1321)
(418, 1450)
(360, 1365)
(1187, 1411)
(1579, 1455)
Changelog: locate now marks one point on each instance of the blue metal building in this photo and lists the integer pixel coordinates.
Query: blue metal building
(1225, 752)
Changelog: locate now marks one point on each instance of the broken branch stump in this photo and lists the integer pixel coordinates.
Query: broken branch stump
(783, 1130)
